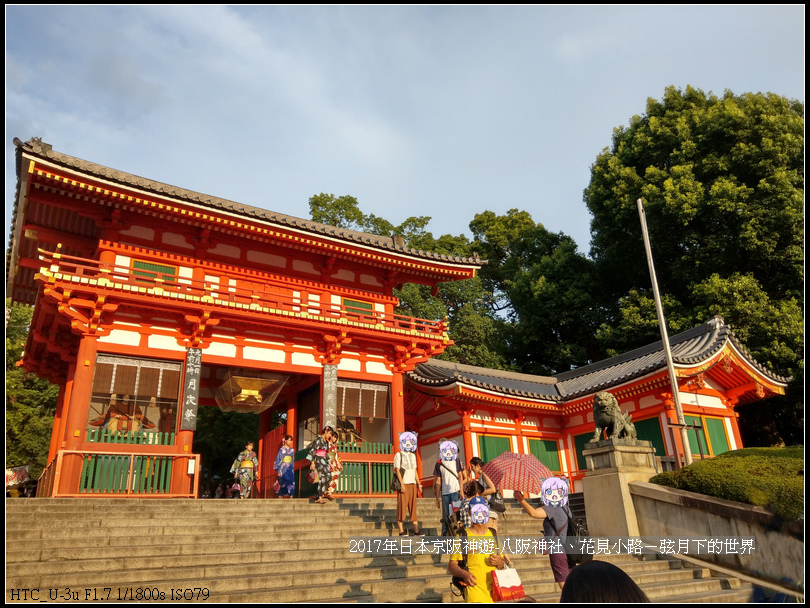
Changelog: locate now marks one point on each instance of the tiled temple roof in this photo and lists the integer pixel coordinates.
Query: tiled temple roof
(689, 348)
(45, 151)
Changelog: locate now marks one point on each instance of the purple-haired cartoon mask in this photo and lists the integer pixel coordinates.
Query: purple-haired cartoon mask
(554, 492)
(479, 514)
(448, 451)
(407, 441)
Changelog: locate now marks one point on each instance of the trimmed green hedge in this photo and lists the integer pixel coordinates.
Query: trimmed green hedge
(764, 477)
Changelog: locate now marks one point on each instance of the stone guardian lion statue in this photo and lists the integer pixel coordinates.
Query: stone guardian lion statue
(607, 415)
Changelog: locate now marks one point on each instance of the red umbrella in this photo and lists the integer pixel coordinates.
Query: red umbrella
(523, 472)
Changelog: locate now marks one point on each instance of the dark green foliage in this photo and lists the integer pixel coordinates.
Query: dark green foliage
(219, 438)
(667, 478)
(544, 287)
(765, 477)
(30, 401)
(722, 179)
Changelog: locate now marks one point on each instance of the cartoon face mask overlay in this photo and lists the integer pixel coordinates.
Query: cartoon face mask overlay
(555, 492)
(479, 511)
(448, 450)
(407, 441)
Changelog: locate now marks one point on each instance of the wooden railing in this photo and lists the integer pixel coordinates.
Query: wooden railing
(120, 474)
(259, 298)
(129, 437)
(367, 470)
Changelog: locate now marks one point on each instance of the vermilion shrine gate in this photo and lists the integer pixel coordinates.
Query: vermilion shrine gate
(151, 300)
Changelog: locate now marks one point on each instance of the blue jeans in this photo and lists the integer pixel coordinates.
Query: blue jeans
(447, 499)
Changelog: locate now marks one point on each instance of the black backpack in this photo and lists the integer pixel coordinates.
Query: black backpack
(575, 530)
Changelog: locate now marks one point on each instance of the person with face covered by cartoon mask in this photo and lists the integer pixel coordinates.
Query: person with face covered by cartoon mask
(449, 477)
(410, 486)
(555, 515)
(478, 576)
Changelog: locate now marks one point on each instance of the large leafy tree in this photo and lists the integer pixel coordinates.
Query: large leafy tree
(466, 304)
(722, 179)
(30, 401)
(542, 287)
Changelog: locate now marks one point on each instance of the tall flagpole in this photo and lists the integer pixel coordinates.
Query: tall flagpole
(673, 380)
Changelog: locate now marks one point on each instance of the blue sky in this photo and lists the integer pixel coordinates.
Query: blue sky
(414, 110)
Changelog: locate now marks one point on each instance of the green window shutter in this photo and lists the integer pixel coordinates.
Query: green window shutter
(650, 430)
(579, 445)
(717, 435)
(490, 447)
(546, 452)
(357, 306)
(695, 436)
(153, 271)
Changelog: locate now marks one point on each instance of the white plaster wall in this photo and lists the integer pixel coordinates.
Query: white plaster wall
(349, 365)
(378, 367)
(369, 279)
(123, 261)
(178, 240)
(267, 259)
(648, 401)
(139, 232)
(732, 443)
(305, 267)
(221, 350)
(263, 354)
(228, 251)
(440, 420)
(121, 336)
(702, 400)
(164, 342)
(184, 274)
(305, 359)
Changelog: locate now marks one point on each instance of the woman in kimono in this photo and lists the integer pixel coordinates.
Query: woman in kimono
(244, 469)
(335, 466)
(319, 458)
(285, 464)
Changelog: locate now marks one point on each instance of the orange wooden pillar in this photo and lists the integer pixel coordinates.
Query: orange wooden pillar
(183, 440)
(265, 450)
(397, 407)
(78, 408)
(466, 434)
(292, 416)
(58, 430)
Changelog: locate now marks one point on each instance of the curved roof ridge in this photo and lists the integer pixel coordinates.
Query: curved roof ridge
(486, 371)
(37, 147)
(689, 348)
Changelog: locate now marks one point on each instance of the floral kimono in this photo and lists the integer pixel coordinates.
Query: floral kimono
(335, 467)
(244, 469)
(319, 454)
(285, 463)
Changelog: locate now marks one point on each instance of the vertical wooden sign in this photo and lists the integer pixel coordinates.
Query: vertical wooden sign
(191, 389)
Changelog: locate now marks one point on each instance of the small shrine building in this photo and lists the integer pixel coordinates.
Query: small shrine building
(151, 301)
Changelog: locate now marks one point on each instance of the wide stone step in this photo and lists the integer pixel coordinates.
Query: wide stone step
(94, 572)
(271, 551)
(742, 595)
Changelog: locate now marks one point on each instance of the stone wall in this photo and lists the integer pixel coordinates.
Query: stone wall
(778, 547)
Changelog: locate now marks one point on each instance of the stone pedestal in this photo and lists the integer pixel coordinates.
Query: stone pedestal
(612, 465)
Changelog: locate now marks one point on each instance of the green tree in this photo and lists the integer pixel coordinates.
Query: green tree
(467, 305)
(722, 179)
(344, 212)
(30, 401)
(542, 288)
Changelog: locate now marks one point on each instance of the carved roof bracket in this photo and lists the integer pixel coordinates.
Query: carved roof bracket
(198, 326)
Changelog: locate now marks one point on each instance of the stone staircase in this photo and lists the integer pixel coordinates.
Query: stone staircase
(266, 551)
